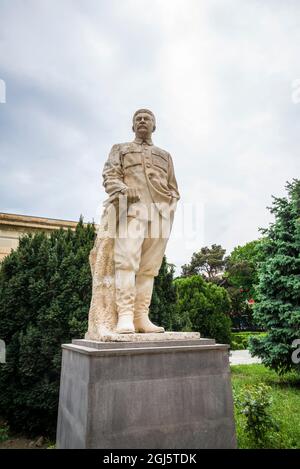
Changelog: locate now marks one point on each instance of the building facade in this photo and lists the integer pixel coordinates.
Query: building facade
(13, 226)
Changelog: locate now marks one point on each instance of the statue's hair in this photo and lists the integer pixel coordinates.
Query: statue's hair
(148, 112)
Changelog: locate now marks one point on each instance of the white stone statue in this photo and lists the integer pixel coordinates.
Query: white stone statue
(135, 226)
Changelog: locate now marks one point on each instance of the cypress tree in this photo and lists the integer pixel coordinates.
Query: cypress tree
(45, 290)
(162, 308)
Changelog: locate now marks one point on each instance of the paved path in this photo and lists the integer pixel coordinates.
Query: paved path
(242, 357)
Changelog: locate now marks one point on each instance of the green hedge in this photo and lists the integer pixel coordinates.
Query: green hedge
(240, 340)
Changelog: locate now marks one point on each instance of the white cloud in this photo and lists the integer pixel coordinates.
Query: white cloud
(218, 75)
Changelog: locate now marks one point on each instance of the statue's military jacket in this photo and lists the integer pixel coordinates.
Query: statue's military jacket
(143, 166)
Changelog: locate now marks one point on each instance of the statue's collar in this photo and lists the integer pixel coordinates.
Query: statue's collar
(140, 141)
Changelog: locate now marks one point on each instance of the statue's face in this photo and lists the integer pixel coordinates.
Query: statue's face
(143, 125)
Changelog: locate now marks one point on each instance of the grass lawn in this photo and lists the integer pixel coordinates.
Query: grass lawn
(285, 407)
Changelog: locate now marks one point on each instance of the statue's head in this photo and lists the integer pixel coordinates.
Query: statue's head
(143, 123)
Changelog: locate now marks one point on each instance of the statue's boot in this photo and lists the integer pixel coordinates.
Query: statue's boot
(144, 288)
(125, 295)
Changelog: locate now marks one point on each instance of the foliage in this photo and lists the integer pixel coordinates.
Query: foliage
(208, 262)
(241, 278)
(241, 313)
(203, 306)
(164, 297)
(284, 391)
(45, 290)
(277, 309)
(241, 267)
(51, 446)
(254, 403)
(240, 340)
(4, 433)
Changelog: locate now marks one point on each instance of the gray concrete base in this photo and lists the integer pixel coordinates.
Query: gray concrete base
(145, 395)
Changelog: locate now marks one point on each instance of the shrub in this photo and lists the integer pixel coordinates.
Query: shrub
(204, 307)
(254, 403)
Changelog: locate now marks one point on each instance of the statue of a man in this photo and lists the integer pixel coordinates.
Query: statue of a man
(140, 177)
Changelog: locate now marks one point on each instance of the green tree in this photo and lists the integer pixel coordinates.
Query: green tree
(45, 291)
(278, 292)
(203, 307)
(208, 262)
(242, 265)
(162, 308)
(240, 278)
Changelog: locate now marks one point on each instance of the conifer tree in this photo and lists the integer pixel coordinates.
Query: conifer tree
(208, 262)
(45, 291)
(163, 303)
(278, 292)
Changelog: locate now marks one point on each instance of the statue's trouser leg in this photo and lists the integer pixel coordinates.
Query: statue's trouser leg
(125, 297)
(153, 250)
(127, 254)
(139, 252)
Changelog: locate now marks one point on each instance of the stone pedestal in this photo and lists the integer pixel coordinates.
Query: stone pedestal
(156, 394)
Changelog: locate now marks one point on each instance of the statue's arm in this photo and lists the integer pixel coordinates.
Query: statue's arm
(172, 180)
(113, 175)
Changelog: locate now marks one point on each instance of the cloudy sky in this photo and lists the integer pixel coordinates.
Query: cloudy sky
(222, 76)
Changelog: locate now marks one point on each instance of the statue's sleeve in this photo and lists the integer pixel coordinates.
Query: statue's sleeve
(172, 180)
(113, 175)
